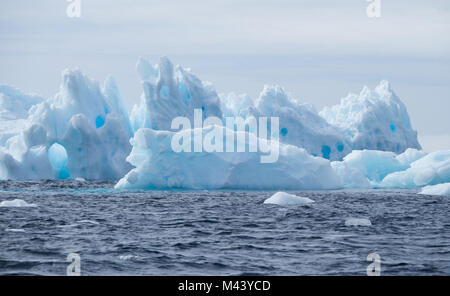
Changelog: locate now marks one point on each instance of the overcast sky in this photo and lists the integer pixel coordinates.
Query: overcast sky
(319, 50)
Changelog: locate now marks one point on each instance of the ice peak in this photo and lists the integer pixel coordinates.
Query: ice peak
(377, 120)
(384, 89)
(272, 97)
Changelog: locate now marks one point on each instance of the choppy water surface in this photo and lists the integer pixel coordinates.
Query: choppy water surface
(218, 233)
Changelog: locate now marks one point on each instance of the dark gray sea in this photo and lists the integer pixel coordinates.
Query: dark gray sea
(218, 233)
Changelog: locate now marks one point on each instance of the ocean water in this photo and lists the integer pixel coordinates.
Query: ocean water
(218, 233)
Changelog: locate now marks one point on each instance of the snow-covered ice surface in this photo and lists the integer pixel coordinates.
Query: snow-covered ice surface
(440, 189)
(84, 132)
(286, 199)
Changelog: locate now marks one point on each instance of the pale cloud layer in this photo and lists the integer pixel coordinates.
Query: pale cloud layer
(319, 50)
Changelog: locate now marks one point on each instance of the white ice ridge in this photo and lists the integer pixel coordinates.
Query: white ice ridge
(286, 199)
(85, 131)
(440, 189)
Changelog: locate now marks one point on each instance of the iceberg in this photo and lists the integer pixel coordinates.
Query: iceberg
(85, 132)
(171, 91)
(286, 199)
(157, 166)
(374, 120)
(440, 189)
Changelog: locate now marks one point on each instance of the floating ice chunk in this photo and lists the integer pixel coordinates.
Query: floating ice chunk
(80, 179)
(127, 257)
(16, 203)
(440, 189)
(286, 199)
(358, 222)
(431, 169)
(375, 120)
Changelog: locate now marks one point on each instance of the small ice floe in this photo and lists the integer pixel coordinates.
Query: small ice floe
(16, 203)
(358, 222)
(127, 257)
(440, 189)
(286, 199)
(14, 230)
(80, 179)
(88, 222)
